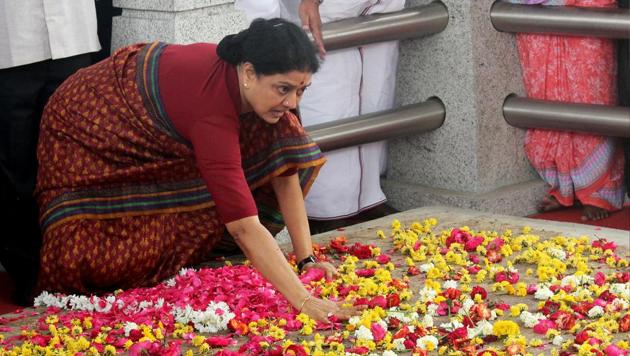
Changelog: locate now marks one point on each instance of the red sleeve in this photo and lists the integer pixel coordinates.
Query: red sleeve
(201, 96)
(217, 151)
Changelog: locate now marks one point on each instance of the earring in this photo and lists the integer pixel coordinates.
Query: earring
(246, 85)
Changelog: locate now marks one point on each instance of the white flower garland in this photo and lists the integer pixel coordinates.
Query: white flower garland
(212, 320)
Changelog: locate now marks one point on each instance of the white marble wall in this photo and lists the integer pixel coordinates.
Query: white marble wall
(475, 160)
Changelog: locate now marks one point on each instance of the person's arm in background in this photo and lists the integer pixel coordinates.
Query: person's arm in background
(312, 22)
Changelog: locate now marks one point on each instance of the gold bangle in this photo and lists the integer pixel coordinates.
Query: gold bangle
(304, 302)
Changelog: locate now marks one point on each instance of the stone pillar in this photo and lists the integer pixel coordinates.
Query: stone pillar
(475, 160)
(175, 21)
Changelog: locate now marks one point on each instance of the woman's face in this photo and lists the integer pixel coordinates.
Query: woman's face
(270, 96)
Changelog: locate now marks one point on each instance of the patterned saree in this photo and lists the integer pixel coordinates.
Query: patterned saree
(579, 166)
(122, 202)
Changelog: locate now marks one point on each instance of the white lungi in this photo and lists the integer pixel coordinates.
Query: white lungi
(350, 82)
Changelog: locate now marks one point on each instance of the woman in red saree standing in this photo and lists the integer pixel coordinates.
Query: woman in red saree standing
(148, 157)
(578, 167)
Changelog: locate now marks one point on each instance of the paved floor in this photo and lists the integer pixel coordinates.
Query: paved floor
(455, 217)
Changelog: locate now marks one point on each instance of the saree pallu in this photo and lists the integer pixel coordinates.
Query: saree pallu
(122, 202)
(574, 70)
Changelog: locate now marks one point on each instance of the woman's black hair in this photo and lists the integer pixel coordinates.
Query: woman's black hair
(271, 46)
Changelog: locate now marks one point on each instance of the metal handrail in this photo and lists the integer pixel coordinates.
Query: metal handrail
(403, 121)
(587, 118)
(561, 20)
(408, 23)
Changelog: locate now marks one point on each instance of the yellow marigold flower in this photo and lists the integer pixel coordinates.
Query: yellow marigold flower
(306, 330)
(158, 334)
(466, 278)
(551, 333)
(76, 330)
(87, 322)
(52, 319)
(505, 328)
(526, 229)
(371, 345)
(517, 309)
(434, 273)
(204, 348)
(198, 340)
(128, 344)
(189, 353)
(521, 289)
(109, 350)
(337, 347)
(481, 275)
(535, 342)
(515, 339)
(380, 234)
(409, 262)
(83, 343)
(506, 250)
(277, 333)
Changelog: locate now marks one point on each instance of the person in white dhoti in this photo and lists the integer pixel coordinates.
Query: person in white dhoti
(351, 82)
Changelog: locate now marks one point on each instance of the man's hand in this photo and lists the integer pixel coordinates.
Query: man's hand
(312, 22)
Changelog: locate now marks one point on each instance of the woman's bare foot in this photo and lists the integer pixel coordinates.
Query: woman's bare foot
(548, 203)
(593, 213)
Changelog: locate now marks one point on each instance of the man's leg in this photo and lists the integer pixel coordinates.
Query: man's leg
(24, 92)
(19, 121)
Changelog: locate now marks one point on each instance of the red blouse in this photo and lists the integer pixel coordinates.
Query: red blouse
(201, 97)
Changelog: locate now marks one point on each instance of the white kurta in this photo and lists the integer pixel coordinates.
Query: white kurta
(350, 82)
(36, 30)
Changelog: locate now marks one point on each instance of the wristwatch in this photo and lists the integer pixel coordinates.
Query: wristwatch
(306, 260)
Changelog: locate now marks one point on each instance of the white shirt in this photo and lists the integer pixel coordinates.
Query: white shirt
(35, 30)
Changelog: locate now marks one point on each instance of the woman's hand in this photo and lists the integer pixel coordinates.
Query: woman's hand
(322, 310)
(312, 22)
(328, 268)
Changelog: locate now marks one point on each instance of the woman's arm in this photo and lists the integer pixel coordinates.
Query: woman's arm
(263, 251)
(289, 195)
(291, 201)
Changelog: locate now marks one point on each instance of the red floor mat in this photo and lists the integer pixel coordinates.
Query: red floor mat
(618, 220)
